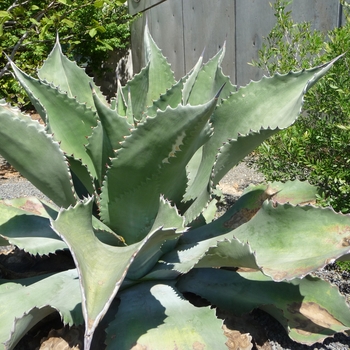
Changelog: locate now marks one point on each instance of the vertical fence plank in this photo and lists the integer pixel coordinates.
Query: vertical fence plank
(254, 20)
(208, 26)
(323, 14)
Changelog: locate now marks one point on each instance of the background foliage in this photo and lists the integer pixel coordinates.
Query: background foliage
(317, 146)
(88, 31)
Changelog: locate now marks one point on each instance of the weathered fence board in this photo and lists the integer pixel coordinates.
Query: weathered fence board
(183, 28)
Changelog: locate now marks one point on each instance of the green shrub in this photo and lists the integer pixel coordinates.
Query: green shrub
(317, 146)
(88, 32)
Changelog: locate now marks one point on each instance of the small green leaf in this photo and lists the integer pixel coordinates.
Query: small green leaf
(69, 23)
(92, 32)
(4, 16)
(105, 43)
(99, 3)
(34, 21)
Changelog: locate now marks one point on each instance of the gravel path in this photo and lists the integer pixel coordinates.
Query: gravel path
(232, 185)
(16, 188)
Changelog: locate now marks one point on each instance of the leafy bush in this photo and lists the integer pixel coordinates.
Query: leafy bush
(88, 32)
(317, 146)
(133, 186)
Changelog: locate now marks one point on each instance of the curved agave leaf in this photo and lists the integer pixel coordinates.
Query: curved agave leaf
(48, 293)
(190, 80)
(65, 74)
(100, 152)
(148, 85)
(148, 317)
(172, 98)
(233, 151)
(222, 251)
(274, 231)
(157, 83)
(268, 104)
(82, 180)
(119, 103)
(293, 192)
(310, 309)
(101, 267)
(24, 144)
(33, 205)
(115, 125)
(209, 81)
(69, 121)
(277, 230)
(25, 222)
(26, 230)
(178, 93)
(106, 137)
(136, 93)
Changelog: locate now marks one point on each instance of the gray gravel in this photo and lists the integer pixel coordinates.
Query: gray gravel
(16, 188)
(232, 185)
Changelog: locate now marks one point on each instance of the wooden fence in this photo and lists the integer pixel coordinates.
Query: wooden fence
(183, 28)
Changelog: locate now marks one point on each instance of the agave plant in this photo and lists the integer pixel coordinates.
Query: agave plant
(133, 186)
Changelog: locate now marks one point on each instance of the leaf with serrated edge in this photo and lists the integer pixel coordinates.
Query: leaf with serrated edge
(233, 151)
(238, 214)
(136, 92)
(310, 309)
(224, 250)
(293, 192)
(69, 121)
(171, 98)
(148, 317)
(36, 297)
(157, 83)
(65, 74)
(209, 81)
(99, 283)
(276, 230)
(115, 125)
(100, 151)
(25, 145)
(28, 231)
(268, 104)
(85, 182)
(190, 79)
